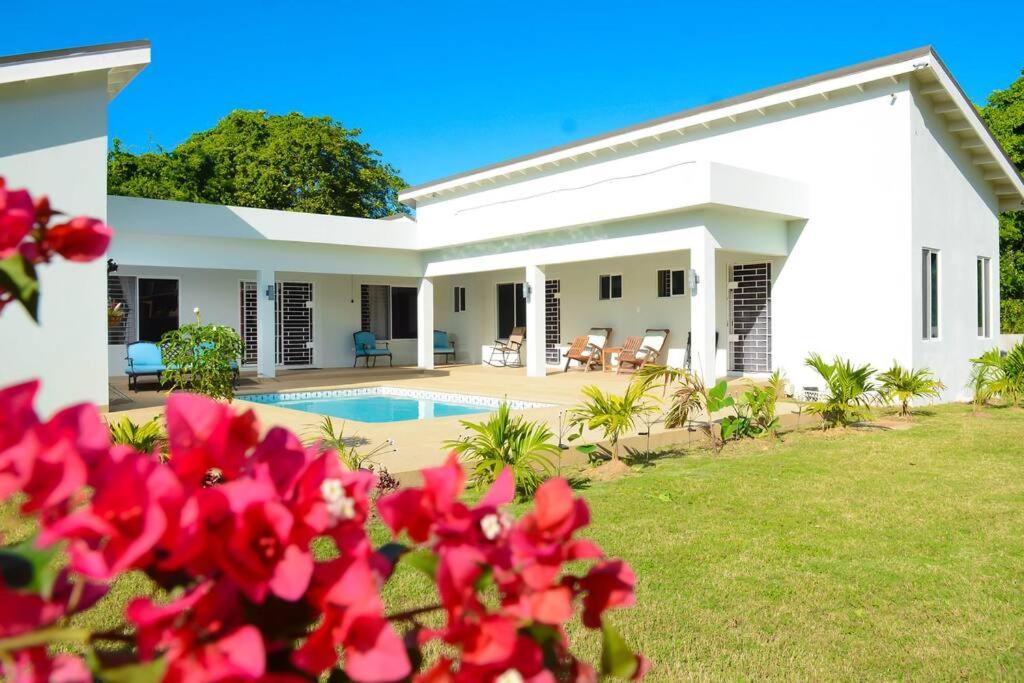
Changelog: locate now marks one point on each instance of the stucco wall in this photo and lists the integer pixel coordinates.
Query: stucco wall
(54, 142)
(954, 211)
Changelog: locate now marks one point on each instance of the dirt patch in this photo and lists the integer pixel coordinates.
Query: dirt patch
(613, 469)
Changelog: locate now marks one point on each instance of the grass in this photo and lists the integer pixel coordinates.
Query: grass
(849, 555)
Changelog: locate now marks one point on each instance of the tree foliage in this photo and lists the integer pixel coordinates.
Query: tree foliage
(1004, 114)
(252, 158)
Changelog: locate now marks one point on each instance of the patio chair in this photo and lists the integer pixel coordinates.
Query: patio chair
(588, 350)
(648, 351)
(367, 347)
(144, 358)
(443, 346)
(504, 350)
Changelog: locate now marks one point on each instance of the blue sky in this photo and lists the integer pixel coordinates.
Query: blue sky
(440, 87)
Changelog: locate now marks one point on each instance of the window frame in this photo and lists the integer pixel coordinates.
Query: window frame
(983, 270)
(931, 294)
(391, 311)
(517, 295)
(671, 273)
(611, 288)
(459, 296)
(136, 309)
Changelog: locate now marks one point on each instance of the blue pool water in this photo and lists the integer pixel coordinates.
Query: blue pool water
(380, 408)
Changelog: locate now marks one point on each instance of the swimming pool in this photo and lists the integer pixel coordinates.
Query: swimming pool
(385, 404)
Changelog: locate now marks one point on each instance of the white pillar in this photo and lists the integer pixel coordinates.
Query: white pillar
(536, 325)
(425, 325)
(702, 308)
(266, 325)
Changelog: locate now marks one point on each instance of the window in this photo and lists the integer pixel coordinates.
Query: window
(671, 283)
(403, 312)
(149, 308)
(610, 287)
(511, 308)
(984, 298)
(389, 312)
(121, 301)
(460, 299)
(930, 293)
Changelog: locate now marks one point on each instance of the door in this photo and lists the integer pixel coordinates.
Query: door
(293, 314)
(552, 320)
(511, 308)
(750, 317)
(247, 321)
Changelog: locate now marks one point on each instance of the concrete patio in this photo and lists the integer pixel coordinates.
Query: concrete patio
(417, 442)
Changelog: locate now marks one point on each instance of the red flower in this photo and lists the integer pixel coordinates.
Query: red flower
(35, 666)
(25, 611)
(609, 584)
(80, 239)
(134, 507)
(203, 434)
(17, 215)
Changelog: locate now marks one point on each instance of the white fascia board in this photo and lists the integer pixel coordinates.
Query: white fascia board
(851, 80)
(187, 219)
(979, 128)
(122, 65)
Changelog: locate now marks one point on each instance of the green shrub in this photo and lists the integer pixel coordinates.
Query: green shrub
(903, 385)
(688, 393)
(326, 437)
(526, 448)
(997, 375)
(985, 370)
(849, 388)
(614, 415)
(149, 437)
(1011, 315)
(202, 358)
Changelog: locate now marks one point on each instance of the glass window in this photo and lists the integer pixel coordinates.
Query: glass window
(511, 308)
(671, 283)
(376, 310)
(609, 287)
(403, 312)
(158, 308)
(930, 293)
(460, 299)
(984, 298)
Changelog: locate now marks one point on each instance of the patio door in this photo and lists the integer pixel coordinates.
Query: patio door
(293, 322)
(750, 317)
(511, 308)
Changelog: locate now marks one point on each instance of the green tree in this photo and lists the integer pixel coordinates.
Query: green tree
(252, 158)
(1004, 114)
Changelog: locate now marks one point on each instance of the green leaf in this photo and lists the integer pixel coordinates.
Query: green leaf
(26, 567)
(393, 552)
(422, 560)
(616, 657)
(587, 449)
(18, 276)
(143, 672)
(664, 497)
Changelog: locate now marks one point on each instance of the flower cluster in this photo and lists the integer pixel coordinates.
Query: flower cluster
(247, 599)
(27, 239)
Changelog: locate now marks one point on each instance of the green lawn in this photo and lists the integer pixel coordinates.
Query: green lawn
(882, 554)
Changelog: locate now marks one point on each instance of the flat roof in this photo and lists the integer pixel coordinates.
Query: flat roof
(122, 61)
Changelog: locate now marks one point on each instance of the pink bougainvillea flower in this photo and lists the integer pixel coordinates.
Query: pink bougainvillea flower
(17, 215)
(81, 239)
(25, 611)
(35, 665)
(415, 510)
(16, 412)
(134, 507)
(203, 434)
(608, 585)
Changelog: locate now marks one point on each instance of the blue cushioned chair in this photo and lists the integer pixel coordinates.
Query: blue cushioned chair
(443, 346)
(144, 358)
(366, 347)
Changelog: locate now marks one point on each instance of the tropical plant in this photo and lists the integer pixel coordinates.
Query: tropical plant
(850, 391)
(325, 436)
(996, 374)
(148, 437)
(904, 385)
(202, 359)
(759, 404)
(614, 415)
(504, 441)
(985, 370)
(688, 393)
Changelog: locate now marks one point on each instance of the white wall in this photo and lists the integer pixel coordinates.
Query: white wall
(54, 142)
(954, 211)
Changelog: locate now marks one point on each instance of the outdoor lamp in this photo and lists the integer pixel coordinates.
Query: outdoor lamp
(694, 279)
(527, 290)
(270, 292)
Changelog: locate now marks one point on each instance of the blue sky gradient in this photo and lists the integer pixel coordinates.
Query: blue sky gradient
(442, 87)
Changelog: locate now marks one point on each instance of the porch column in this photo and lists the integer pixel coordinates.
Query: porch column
(266, 324)
(702, 308)
(425, 325)
(536, 326)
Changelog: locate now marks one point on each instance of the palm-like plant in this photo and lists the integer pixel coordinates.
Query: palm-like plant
(850, 391)
(612, 414)
(904, 385)
(986, 370)
(1009, 384)
(326, 436)
(688, 395)
(526, 448)
(145, 438)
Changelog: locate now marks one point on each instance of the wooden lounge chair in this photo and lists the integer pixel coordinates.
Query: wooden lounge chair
(505, 350)
(647, 351)
(588, 350)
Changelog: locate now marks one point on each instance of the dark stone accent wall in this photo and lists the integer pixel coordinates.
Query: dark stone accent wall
(750, 310)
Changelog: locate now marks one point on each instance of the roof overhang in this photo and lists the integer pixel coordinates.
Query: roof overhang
(121, 61)
(920, 62)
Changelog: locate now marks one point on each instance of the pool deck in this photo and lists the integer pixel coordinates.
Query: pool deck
(417, 442)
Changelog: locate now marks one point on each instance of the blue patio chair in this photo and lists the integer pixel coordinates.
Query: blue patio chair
(443, 346)
(366, 347)
(144, 358)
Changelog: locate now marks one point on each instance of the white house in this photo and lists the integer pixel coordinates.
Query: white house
(853, 213)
